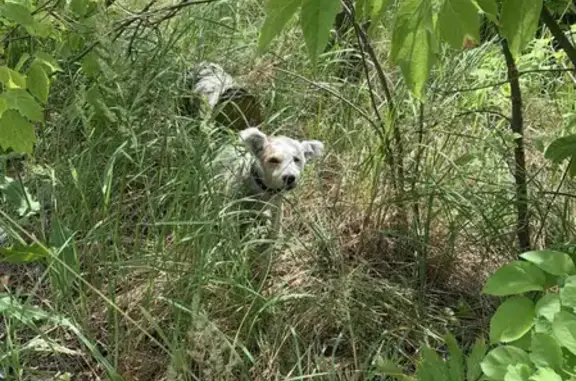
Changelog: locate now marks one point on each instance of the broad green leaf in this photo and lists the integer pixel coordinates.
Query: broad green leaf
(543, 326)
(553, 262)
(377, 9)
(456, 358)
(518, 22)
(524, 342)
(545, 351)
(316, 19)
(22, 101)
(91, 65)
(431, 367)
(18, 196)
(459, 23)
(518, 372)
(568, 295)
(413, 43)
(28, 4)
(49, 63)
(12, 79)
(21, 254)
(17, 13)
(278, 13)
(79, 7)
(489, 8)
(495, 364)
(548, 306)
(16, 132)
(473, 369)
(512, 320)
(564, 329)
(515, 278)
(38, 82)
(546, 374)
(561, 149)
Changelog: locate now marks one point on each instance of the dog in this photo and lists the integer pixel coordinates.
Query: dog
(265, 170)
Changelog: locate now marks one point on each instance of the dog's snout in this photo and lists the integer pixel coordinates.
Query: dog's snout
(289, 180)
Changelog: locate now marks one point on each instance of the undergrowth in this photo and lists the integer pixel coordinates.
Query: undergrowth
(153, 282)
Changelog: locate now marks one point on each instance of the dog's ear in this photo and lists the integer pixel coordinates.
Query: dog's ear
(254, 139)
(312, 148)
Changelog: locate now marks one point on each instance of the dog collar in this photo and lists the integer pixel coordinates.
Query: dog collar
(258, 180)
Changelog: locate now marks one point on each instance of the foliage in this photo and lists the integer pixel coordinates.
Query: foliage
(536, 341)
(561, 149)
(459, 367)
(415, 43)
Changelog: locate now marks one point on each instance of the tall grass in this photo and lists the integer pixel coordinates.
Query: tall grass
(149, 278)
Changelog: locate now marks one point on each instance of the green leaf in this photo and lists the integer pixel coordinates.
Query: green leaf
(91, 65)
(16, 132)
(10, 307)
(518, 372)
(432, 367)
(561, 149)
(459, 23)
(378, 7)
(22, 101)
(553, 262)
(518, 22)
(17, 13)
(49, 63)
(568, 295)
(524, 342)
(548, 306)
(515, 278)
(473, 369)
(38, 82)
(278, 13)
(495, 364)
(12, 79)
(546, 374)
(545, 351)
(512, 320)
(316, 19)
(18, 196)
(564, 329)
(20, 254)
(456, 358)
(79, 7)
(413, 43)
(489, 8)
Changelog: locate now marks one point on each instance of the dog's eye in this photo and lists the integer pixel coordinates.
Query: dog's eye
(274, 160)
(296, 159)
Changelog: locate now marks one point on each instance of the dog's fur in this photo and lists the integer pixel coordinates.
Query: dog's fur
(268, 168)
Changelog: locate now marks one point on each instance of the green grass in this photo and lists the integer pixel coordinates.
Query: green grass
(156, 283)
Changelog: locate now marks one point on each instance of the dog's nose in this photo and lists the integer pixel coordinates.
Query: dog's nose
(289, 179)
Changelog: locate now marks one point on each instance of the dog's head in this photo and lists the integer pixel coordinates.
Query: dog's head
(279, 159)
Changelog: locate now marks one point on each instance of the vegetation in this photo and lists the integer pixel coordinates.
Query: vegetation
(448, 184)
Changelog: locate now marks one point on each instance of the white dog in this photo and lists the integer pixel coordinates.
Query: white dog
(265, 170)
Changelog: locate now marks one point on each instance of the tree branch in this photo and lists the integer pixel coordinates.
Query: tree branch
(558, 34)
